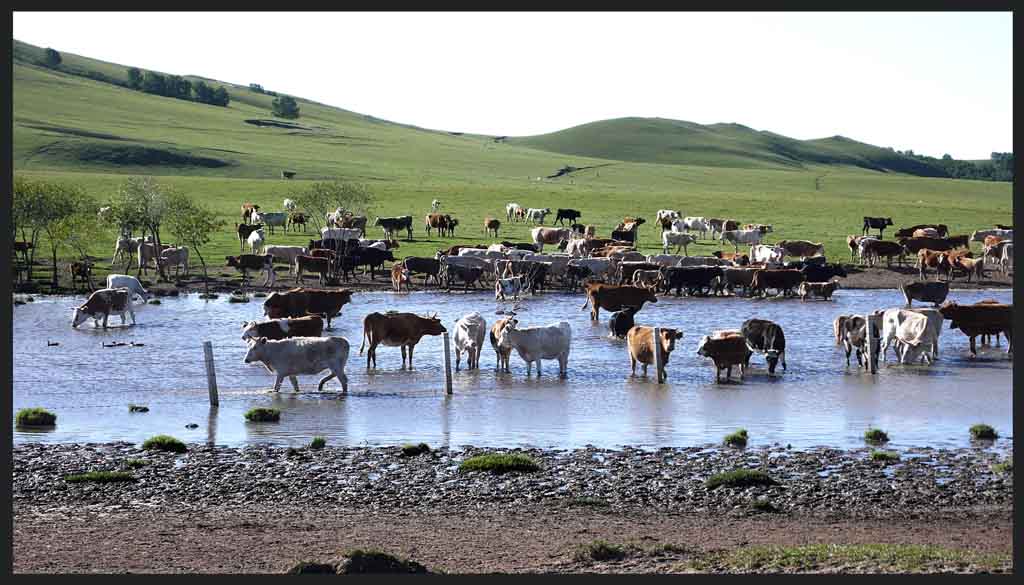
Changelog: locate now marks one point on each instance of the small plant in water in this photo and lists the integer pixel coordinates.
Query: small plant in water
(500, 463)
(737, 439)
(100, 477)
(137, 408)
(876, 436)
(35, 417)
(885, 456)
(411, 450)
(261, 414)
(983, 432)
(1004, 467)
(317, 443)
(165, 443)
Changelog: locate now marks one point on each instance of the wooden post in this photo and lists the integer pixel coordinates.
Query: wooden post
(447, 364)
(659, 359)
(872, 358)
(211, 375)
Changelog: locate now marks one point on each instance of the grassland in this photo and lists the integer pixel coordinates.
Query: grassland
(95, 134)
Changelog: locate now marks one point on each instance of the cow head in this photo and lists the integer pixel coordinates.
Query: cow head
(888, 221)
(649, 296)
(249, 331)
(79, 316)
(701, 350)
(668, 340)
(257, 350)
(232, 261)
(433, 325)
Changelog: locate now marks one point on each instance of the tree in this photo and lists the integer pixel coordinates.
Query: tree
(154, 83)
(193, 225)
(946, 157)
(321, 198)
(285, 107)
(144, 203)
(28, 211)
(221, 97)
(204, 93)
(52, 58)
(135, 78)
(256, 87)
(60, 204)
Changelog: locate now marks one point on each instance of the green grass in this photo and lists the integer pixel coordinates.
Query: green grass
(261, 414)
(739, 478)
(164, 443)
(35, 417)
(876, 436)
(318, 443)
(889, 558)
(411, 450)
(984, 432)
(59, 119)
(100, 477)
(885, 456)
(1003, 467)
(737, 439)
(500, 463)
(135, 463)
(599, 550)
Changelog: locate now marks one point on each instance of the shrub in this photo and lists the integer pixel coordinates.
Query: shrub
(739, 478)
(876, 436)
(375, 561)
(154, 301)
(1004, 467)
(737, 439)
(35, 417)
(599, 550)
(410, 450)
(885, 456)
(100, 477)
(261, 414)
(165, 443)
(317, 443)
(984, 432)
(137, 408)
(135, 463)
(499, 463)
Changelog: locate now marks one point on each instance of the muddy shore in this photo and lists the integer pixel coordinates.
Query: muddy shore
(262, 509)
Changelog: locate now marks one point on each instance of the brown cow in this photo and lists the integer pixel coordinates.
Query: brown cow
(802, 248)
(321, 266)
(727, 349)
(103, 303)
(966, 266)
(299, 302)
(640, 339)
(875, 249)
(394, 328)
(931, 259)
(980, 319)
(942, 230)
(503, 353)
(818, 289)
(399, 274)
(436, 221)
(782, 280)
(81, 271)
(991, 241)
(611, 297)
(491, 225)
(247, 210)
(247, 262)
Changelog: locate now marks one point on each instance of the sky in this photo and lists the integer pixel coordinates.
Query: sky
(935, 83)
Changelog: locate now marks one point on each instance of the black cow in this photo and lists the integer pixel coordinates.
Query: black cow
(244, 230)
(876, 223)
(247, 262)
(622, 321)
(428, 267)
(333, 244)
(697, 280)
(578, 228)
(391, 224)
(767, 338)
(563, 214)
(574, 275)
(782, 280)
(801, 264)
(521, 246)
(469, 275)
(824, 273)
(373, 258)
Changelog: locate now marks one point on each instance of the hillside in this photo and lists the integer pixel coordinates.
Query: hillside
(658, 140)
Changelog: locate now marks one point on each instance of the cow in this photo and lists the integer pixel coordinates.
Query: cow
(512, 212)
(598, 267)
(125, 248)
(891, 321)
(980, 319)
(103, 303)
(1006, 261)
(509, 287)
(994, 253)
(340, 233)
(129, 282)
(876, 223)
(640, 344)
(309, 326)
(926, 292)
(287, 358)
(248, 209)
(303, 264)
(687, 224)
(979, 235)
(334, 218)
(394, 328)
(537, 215)
(991, 241)
(767, 254)
(436, 221)
(372, 258)
(299, 302)
(247, 262)
(491, 225)
(666, 214)
(872, 250)
(289, 204)
(671, 238)
(1003, 227)
(627, 230)
(649, 279)
(727, 349)
(469, 337)
(147, 254)
(176, 257)
(854, 335)
(272, 220)
(563, 214)
(942, 229)
(534, 344)
(926, 233)
(816, 273)
(543, 235)
(969, 267)
(469, 275)
(613, 298)
(626, 269)
(697, 280)
(915, 245)
(621, 322)
(81, 271)
(931, 259)
(256, 241)
(502, 353)
(435, 205)
(392, 224)
(737, 237)
(589, 231)
(428, 267)
(286, 254)
(853, 242)
(782, 280)
(765, 337)
(838, 326)
(818, 289)
(297, 218)
(399, 275)
(732, 258)
(802, 248)
(761, 227)
(733, 277)
(353, 222)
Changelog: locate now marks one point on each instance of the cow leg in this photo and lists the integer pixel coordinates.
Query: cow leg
(295, 383)
(277, 384)
(974, 350)
(632, 360)
(458, 358)
(644, 368)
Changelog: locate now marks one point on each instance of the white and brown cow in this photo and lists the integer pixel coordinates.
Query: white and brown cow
(640, 340)
(102, 304)
(308, 326)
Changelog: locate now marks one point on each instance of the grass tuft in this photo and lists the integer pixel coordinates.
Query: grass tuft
(35, 417)
(599, 550)
(737, 439)
(137, 408)
(875, 558)
(876, 436)
(261, 414)
(411, 450)
(661, 550)
(164, 443)
(135, 463)
(983, 432)
(1004, 467)
(739, 478)
(885, 456)
(500, 463)
(100, 477)
(318, 443)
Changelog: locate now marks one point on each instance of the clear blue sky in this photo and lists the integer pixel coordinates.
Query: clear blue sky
(932, 82)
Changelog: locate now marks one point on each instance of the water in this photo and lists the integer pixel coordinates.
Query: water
(817, 402)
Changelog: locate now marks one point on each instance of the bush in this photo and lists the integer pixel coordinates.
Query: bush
(410, 450)
(1004, 467)
(499, 463)
(737, 439)
(35, 417)
(317, 443)
(285, 107)
(885, 456)
(876, 436)
(137, 408)
(164, 443)
(984, 432)
(100, 477)
(739, 478)
(135, 463)
(599, 550)
(374, 561)
(261, 414)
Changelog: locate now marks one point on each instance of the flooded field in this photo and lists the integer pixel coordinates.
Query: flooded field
(818, 401)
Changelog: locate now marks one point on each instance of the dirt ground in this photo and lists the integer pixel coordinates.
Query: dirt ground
(541, 540)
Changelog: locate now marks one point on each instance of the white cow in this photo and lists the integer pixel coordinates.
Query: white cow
(435, 205)
(667, 214)
(125, 248)
(679, 240)
(576, 247)
(147, 255)
(480, 253)
(102, 304)
(913, 337)
(737, 237)
(176, 257)
(129, 282)
(345, 234)
(289, 204)
(469, 337)
(537, 215)
(557, 262)
(666, 260)
(893, 318)
(377, 244)
(1006, 261)
(287, 358)
(510, 211)
(768, 254)
(334, 217)
(509, 287)
(278, 219)
(697, 224)
(598, 267)
(256, 241)
(286, 253)
(536, 343)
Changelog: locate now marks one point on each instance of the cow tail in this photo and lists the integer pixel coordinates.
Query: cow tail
(363, 344)
(585, 303)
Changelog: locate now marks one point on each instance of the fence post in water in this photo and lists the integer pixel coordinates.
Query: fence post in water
(211, 375)
(447, 364)
(872, 358)
(659, 358)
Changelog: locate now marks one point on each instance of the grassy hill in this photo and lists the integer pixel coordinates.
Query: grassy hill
(70, 127)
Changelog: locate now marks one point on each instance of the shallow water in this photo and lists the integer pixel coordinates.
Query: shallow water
(818, 401)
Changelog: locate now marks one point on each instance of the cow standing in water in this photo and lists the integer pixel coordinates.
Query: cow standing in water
(396, 329)
(469, 338)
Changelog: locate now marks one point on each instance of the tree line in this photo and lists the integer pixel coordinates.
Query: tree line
(999, 167)
(175, 86)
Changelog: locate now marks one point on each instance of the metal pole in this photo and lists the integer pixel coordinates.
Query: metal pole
(447, 364)
(211, 375)
(659, 359)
